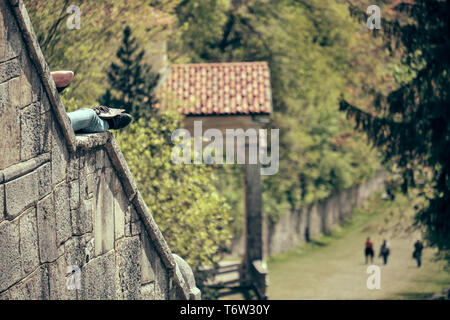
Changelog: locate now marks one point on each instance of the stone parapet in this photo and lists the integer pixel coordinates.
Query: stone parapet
(73, 224)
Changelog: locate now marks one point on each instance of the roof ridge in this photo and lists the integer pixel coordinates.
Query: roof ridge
(220, 63)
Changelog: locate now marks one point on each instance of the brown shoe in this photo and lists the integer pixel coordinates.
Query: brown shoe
(62, 79)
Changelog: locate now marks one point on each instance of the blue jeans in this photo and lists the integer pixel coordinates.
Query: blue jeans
(87, 120)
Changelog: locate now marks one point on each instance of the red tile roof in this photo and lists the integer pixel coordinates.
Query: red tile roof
(218, 88)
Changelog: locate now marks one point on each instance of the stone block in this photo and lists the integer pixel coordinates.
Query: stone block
(104, 218)
(44, 180)
(5, 295)
(128, 268)
(74, 195)
(10, 262)
(82, 218)
(88, 184)
(153, 269)
(59, 273)
(48, 250)
(34, 287)
(120, 207)
(136, 228)
(21, 193)
(148, 291)
(73, 170)
(153, 230)
(26, 87)
(36, 85)
(62, 211)
(9, 127)
(9, 70)
(100, 158)
(60, 157)
(45, 102)
(9, 30)
(108, 163)
(147, 254)
(2, 202)
(46, 134)
(30, 132)
(91, 185)
(29, 249)
(90, 162)
(14, 93)
(3, 32)
(98, 278)
(74, 252)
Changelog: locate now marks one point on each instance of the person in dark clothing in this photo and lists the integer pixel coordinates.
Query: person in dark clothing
(368, 251)
(385, 251)
(417, 254)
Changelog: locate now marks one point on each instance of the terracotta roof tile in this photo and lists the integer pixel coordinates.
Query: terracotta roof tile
(218, 88)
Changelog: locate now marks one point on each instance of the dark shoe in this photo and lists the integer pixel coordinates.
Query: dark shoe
(107, 113)
(119, 121)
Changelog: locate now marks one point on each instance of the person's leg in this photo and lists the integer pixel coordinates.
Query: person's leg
(87, 120)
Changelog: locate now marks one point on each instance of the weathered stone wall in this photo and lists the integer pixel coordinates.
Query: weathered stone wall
(68, 203)
(290, 230)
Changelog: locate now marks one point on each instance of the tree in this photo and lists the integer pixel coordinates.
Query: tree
(188, 209)
(131, 81)
(308, 45)
(412, 123)
(88, 51)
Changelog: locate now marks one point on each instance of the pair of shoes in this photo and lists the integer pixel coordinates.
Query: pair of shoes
(62, 79)
(116, 118)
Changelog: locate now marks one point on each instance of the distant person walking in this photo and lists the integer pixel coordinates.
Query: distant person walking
(368, 251)
(385, 251)
(417, 254)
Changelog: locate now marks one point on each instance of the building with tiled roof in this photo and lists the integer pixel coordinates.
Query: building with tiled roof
(238, 88)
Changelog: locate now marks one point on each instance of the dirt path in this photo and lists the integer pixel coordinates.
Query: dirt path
(337, 270)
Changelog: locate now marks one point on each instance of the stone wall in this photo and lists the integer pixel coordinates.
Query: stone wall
(69, 208)
(319, 218)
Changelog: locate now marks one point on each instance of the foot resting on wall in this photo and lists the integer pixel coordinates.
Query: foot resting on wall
(87, 120)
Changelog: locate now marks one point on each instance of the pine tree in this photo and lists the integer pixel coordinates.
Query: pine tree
(412, 124)
(131, 81)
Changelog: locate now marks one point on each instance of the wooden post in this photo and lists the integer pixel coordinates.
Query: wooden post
(253, 271)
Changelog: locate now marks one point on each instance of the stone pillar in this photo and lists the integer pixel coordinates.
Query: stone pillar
(253, 271)
(253, 213)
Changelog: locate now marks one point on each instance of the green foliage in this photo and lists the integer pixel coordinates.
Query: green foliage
(192, 215)
(308, 45)
(411, 123)
(89, 50)
(131, 82)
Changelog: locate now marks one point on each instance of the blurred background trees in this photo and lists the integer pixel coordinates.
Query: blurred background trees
(411, 123)
(318, 52)
(131, 81)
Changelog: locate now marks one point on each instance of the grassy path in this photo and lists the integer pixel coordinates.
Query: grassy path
(333, 267)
